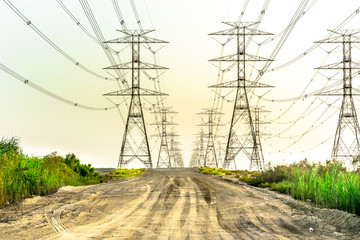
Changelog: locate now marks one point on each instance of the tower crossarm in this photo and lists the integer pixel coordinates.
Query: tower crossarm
(346, 144)
(234, 58)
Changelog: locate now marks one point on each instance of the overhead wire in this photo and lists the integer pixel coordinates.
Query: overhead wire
(49, 93)
(302, 136)
(156, 79)
(283, 42)
(220, 76)
(51, 43)
(312, 128)
(271, 39)
(217, 99)
(99, 39)
(351, 16)
(99, 35)
(284, 37)
(305, 150)
(302, 93)
(243, 10)
(77, 22)
(316, 93)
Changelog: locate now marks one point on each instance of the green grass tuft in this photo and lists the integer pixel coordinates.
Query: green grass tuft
(328, 185)
(22, 176)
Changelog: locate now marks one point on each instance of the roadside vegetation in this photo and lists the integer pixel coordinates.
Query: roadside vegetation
(122, 173)
(23, 176)
(324, 185)
(215, 171)
(220, 171)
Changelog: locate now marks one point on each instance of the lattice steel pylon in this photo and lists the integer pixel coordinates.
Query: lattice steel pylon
(242, 119)
(164, 157)
(135, 144)
(257, 123)
(210, 158)
(199, 149)
(178, 160)
(346, 144)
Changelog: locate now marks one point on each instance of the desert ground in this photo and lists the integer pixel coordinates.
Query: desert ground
(172, 204)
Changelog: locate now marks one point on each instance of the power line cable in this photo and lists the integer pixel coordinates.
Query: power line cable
(51, 43)
(351, 16)
(68, 12)
(50, 94)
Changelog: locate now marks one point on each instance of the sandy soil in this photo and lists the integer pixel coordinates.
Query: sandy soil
(172, 204)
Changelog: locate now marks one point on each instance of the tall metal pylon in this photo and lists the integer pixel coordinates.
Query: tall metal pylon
(178, 160)
(346, 142)
(199, 161)
(164, 157)
(242, 119)
(174, 148)
(257, 123)
(173, 142)
(210, 158)
(135, 144)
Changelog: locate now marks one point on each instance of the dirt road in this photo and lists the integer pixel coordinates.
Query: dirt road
(172, 204)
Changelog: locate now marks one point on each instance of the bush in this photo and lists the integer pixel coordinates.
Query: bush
(215, 171)
(326, 185)
(124, 173)
(22, 176)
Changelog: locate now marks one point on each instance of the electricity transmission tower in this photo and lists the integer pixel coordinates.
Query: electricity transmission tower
(257, 123)
(346, 143)
(199, 155)
(242, 118)
(174, 149)
(210, 159)
(194, 160)
(135, 144)
(176, 153)
(164, 157)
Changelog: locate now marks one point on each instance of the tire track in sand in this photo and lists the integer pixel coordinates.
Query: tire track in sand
(121, 223)
(208, 205)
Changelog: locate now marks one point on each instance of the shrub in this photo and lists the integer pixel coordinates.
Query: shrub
(326, 185)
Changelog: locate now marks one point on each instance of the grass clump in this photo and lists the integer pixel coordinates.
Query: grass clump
(328, 185)
(23, 176)
(124, 173)
(215, 171)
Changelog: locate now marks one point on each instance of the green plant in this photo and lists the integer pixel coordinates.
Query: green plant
(325, 185)
(9, 145)
(22, 176)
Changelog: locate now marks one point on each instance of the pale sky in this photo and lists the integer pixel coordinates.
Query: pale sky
(45, 125)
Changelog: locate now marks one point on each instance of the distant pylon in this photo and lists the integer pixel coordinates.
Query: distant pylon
(346, 142)
(135, 144)
(178, 158)
(200, 149)
(210, 157)
(257, 123)
(173, 142)
(164, 157)
(242, 120)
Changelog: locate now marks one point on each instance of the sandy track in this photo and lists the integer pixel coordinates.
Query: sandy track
(172, 204)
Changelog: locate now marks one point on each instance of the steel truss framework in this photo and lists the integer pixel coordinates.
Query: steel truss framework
(210, 158)
(199, 150)
(165, 153)
(346, 144)
(242, 134)
(135, 144)
(175, 154)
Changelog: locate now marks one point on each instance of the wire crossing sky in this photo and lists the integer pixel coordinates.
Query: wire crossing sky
(56, 48)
